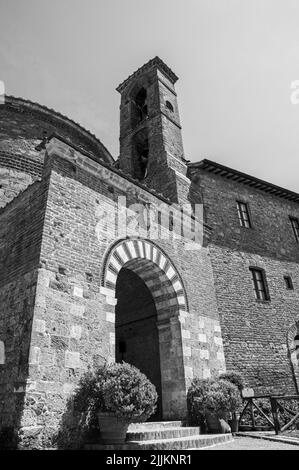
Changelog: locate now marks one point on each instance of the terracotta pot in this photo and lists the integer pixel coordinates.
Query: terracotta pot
(234, 423)
(217, 423)
(213, 423)
(112, 429)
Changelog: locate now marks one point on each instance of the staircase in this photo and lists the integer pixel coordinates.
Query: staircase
(164, 435)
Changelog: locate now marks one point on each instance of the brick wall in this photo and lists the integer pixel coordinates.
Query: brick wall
(22, 127)
(254, 332)
(17, 172)
(73, 324)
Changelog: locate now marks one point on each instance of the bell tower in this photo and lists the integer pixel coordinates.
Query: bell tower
(151, 146)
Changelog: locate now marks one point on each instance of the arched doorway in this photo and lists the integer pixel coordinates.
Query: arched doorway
(150, 302)
(136, 330)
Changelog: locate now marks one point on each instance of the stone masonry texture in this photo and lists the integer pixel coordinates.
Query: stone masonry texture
(254, 332)
(68, 299)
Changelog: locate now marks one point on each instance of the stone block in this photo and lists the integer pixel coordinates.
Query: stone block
(186, 334)
(187, 351)
(110, 317)
(77, 291)
(189, 372)
(112, 338)
(72, 360)
(76, 331)
(204, 354)
(68, 388)
(218, 340)
(35, 355)
(2, 352)
(77, 310)
(206, 373)
(202, 338)
(40, 326)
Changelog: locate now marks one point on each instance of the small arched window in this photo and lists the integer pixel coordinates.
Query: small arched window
(296, 342)
(169, 106)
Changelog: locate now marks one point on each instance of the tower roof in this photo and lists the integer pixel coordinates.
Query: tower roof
(155, 62)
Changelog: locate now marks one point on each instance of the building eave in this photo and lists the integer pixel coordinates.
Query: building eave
(243, 178)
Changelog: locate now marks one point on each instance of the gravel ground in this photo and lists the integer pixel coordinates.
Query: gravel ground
(247, 443)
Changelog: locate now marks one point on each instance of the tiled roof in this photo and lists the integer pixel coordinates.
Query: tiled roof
(155, 62)
(239, 177)
(16, 102)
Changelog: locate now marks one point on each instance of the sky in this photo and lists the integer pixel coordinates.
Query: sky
(236, 61)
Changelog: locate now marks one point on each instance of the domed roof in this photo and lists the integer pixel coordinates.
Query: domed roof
(23, 124)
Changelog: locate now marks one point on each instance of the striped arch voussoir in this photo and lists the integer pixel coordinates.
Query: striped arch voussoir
(151, 264)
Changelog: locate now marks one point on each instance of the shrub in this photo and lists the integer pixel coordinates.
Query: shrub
(198, 389)
(235, 378)
(89, 395)
(214, 396)
(118, 388)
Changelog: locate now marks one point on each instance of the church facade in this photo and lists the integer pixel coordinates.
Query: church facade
(182, 269)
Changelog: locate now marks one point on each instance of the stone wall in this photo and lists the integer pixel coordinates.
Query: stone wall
(254, 332)
(73, 324)
(21, 224)
(57, 246)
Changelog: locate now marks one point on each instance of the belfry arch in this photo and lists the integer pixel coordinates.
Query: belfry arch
(147, 261)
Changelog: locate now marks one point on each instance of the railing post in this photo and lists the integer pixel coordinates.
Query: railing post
(252, 414)
(275, 414)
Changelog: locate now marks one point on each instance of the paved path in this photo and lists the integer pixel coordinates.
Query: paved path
(249, 443)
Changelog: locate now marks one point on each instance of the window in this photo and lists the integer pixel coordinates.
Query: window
(243, 214)
(289, 283)
(141, 105)
(140, 154)
(169, 106)
(295, 225)
(260, 284)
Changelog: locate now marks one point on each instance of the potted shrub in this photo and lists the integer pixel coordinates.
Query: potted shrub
(118, 394)
(213, 400)
(196, 415)
(237, 379)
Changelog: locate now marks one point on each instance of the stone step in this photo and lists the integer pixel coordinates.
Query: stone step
(135, 427)
(148, 434)
(181, 443)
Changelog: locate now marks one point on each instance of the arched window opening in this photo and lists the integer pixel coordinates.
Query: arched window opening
(142, 149)
(296, 342)
(141, 145)
(169, 106)
(140, 105)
